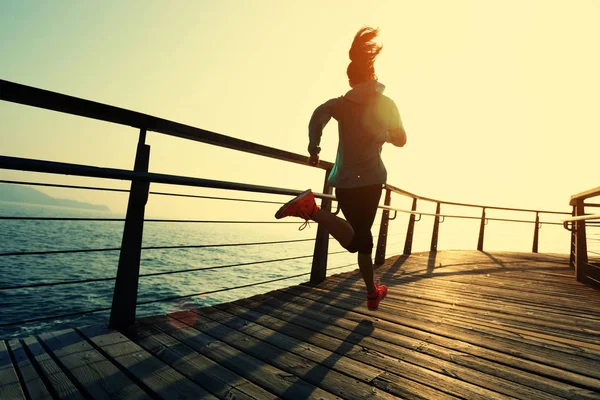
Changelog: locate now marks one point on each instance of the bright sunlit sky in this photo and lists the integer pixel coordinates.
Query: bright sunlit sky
(499, 99)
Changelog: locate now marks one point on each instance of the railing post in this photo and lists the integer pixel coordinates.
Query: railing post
(481, 231)
(573, 240)
(436, 228)
(318, 272)
(124, 301)
(411, 229)
(536, 233)
(580, 245)
(383, 230)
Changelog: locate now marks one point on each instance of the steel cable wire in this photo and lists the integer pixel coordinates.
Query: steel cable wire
(146, 220)
(158, 273)
(25, 253)
(225, 289)
(151, 192)
(165, 299)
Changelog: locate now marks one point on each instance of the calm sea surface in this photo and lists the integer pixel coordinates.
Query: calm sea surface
(36, 302)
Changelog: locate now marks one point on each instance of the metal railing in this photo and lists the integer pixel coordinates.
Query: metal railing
(585, 249)
(439, 218)
(124, 301)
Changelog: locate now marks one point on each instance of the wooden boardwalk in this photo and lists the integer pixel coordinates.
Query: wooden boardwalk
(455, 324)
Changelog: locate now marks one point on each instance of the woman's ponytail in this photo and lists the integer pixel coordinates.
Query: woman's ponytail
(362, 56)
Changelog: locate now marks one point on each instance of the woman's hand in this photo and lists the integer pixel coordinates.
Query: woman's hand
(313, 160)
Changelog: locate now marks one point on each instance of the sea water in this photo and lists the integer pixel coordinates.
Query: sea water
(49, 235)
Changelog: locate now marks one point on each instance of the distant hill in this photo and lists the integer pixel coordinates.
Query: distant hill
(25, 194)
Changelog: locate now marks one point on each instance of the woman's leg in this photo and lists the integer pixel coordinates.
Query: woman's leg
(343, 232)
(365, 264)
(304, 206)
(361, 211)
(337, 227)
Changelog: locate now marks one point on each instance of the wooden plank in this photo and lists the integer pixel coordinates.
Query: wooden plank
(484, 296)
(505, 380)
(452, 289)
(275, 380)
(539, 320)
(32, 382)
(158, 377)
(305, 369)
(573, 337)
(473, 268)
(421, 292)
(491, 362)
(357, 370)
(448, 293)
(520, 280)
(445, 262)
(10, 388)
(492, 284)
(509, 337)
(394, 361)
(589, 336)
(524, 353)
(60, 384)
(397, 385)
(220, 381)
(94, 374)
(561, 339)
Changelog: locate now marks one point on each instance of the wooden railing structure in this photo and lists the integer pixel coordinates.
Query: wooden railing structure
(126, 284)
(586, 270)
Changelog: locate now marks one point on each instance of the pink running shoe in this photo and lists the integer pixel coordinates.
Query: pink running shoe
(376, 296)
(302, 206)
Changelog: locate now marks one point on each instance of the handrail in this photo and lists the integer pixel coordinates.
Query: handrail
(54, 167)
(584, 195)
(35, 97)
(581, 218)
(414, 196)
(461, 216)
(112, 173)
(584, 270)
(195, 196)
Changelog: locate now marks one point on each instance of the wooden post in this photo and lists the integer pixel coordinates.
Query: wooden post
(536, 233)
(383, 230)
(318, 272)
(436, 228)
(124, 301)
(573, 240)
(481, 231)
(411, 229)
(580, 245)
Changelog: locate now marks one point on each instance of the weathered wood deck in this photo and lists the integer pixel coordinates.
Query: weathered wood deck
(456, 324)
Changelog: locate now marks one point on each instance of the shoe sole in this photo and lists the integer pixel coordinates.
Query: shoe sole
(286, 205)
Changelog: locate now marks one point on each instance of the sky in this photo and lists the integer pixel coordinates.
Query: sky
(499, 99)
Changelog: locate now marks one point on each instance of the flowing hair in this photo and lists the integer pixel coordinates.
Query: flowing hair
(362, 56)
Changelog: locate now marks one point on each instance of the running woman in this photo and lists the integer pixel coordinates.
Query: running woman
(366, 120)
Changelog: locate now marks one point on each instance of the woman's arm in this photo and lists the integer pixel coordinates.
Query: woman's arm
(396, 132)
(319, 119)
(397, 136)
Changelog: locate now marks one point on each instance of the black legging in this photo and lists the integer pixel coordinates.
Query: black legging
(359, 206)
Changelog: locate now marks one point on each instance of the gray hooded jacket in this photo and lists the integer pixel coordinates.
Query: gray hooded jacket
(364, 118)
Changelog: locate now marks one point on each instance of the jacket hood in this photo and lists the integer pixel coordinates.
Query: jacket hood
(365, 93)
